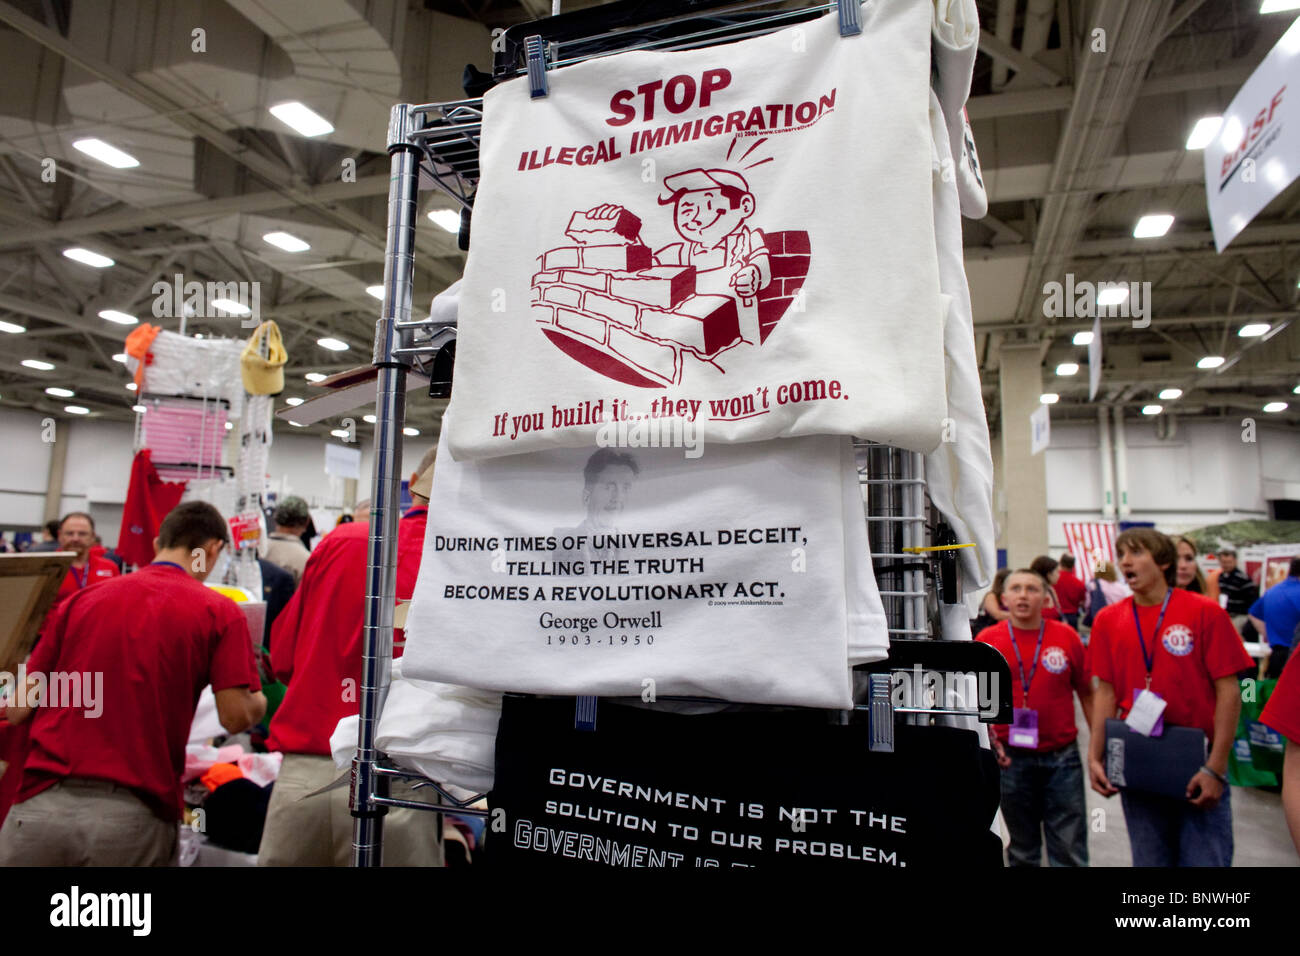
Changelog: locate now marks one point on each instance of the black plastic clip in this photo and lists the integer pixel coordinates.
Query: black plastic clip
(535, 52)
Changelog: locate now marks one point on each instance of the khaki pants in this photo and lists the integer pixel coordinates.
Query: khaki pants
(317, 831)
(81, 822)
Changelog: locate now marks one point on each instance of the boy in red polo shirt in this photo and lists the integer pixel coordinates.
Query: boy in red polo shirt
(1282, 713)
(1182, 648)
(1042, 776)
(101, 784)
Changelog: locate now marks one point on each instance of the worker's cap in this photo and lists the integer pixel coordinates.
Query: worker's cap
(696, 179)
(423, 483)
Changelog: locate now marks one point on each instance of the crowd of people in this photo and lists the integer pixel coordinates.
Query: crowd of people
(101, 785)
(1163, 645)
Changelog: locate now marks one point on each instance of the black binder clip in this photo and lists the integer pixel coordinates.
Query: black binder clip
(880, 714)
(850, 22)
(535, 51)
(584, 713)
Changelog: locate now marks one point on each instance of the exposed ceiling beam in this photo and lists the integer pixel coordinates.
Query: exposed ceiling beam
(1023, 64)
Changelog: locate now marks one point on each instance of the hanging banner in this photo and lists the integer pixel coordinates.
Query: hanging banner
(1040, 429)
(1093, 544)
(1094, 360)
(736, 237)
(1256, 152)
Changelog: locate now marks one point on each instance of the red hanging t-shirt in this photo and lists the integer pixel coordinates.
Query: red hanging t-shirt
(1282, 712)
(155, 638)
(1061, 671)
(1197, 645)
(148, 500)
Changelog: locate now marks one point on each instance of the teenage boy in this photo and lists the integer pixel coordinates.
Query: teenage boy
(1042, 776)
(1181, 648)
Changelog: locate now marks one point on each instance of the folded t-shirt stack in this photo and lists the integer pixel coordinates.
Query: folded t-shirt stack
(445, 732)
(645, 572)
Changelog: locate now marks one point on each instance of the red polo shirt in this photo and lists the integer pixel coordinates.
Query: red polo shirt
(1197, 645)
(317, 639)
(96, 570)
(1060, 673)
(155, 638)
(1071, 592)
(1282, 712)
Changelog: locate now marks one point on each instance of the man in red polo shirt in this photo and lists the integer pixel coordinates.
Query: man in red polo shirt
(317, 645)
(1182, 648)
(1042, 776)
(121, 665)
(77, 533)
(1070, 590)
(1282, 713)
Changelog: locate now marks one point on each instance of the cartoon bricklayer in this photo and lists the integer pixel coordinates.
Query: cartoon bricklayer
(710, 208)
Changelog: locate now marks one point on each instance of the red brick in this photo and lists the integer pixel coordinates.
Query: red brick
(796, 243)
(543, 313)
(568, 257)
(783, 266)
(585, 230)
(705, 323)
(535, 293)
(544, 276)
(659, 286)
(587, 325)
(563, 295)
(651, 357)
(621, 257)
(588, 280)
(773, 241)
(622, 312)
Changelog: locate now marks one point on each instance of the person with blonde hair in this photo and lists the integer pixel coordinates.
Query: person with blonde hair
(1189, 575)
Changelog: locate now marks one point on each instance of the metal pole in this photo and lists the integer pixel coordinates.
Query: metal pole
(390, 415)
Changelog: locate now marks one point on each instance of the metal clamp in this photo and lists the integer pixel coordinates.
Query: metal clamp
(850, 22)
(880, 715)
(535, 51)
(584, 713)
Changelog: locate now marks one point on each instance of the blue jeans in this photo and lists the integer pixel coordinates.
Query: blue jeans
(1163, 831)
(1042, 795)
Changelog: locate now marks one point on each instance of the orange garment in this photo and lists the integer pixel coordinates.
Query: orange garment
(137, 346)
(220, 773)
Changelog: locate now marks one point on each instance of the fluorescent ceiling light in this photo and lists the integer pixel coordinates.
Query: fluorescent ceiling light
(339, 432)
(121, 357)
(314, 377)
(286, 241)
(410, 432)
(301, 119)
(293, 402)
(88, 258)
(60, 392)
(334, 345)
(1049, 398)
(1082, 338)
(1296, 390)
(131, 386)
(121, 318)
(1275, 407)
(1113, 295)
(11, 328)
(1203, 132)
(1067, 368)
(1149, 227)
(377, 291)
(449, 219)
(231, 306)
(1279, 6)
(38, 365)
(229, 426)
(139, 409)
(1210, 361)
(1169, 394)
(297, 424)
(1253, 330)
(370, 419)
(76, 409)
(1152, 409)
(106, 154)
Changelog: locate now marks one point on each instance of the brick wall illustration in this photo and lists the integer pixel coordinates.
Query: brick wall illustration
(609, 307)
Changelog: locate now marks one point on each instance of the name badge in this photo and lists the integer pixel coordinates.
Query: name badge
(1024, 728)
(1146, 716)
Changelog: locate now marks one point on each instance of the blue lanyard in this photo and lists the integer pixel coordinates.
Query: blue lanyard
(167, 564)
(1020, 663)
(1150, 659)
(82, 578)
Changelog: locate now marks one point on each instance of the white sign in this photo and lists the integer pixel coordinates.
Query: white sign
(1040, 430)
(342, 462)
(1094, 360)
(1256, 153)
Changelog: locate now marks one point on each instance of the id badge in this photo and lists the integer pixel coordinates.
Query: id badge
(1024, 728)
(1146, 716)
